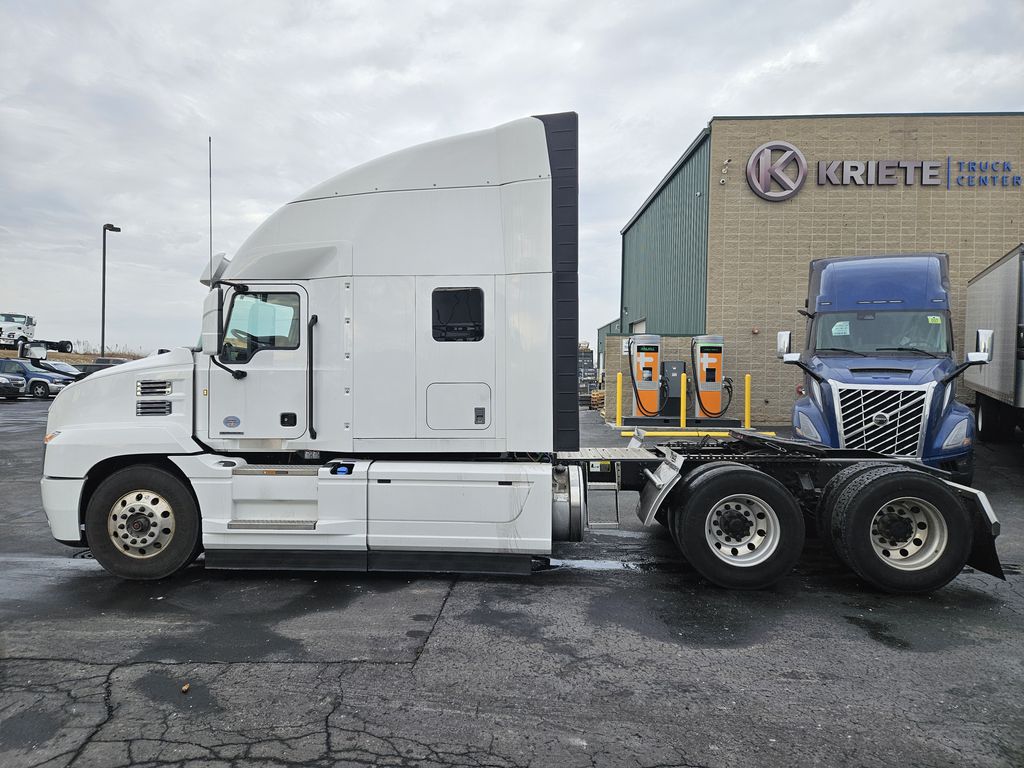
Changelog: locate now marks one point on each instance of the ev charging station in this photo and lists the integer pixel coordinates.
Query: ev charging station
(645, 372)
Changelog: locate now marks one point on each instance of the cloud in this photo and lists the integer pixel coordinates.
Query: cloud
(105, 109)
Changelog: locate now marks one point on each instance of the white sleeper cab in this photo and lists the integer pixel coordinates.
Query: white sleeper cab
(387, 381)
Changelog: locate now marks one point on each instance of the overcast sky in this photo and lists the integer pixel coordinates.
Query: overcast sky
(105, 109)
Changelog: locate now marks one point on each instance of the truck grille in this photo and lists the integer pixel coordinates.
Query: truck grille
(153, 408)
(888, 420)
(152, 388)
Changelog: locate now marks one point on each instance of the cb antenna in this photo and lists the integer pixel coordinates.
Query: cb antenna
(209, 144)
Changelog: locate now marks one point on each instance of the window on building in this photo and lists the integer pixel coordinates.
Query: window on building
(458, 314)
(260, 321)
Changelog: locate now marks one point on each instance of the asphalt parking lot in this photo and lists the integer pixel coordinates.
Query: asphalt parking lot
(621, 656)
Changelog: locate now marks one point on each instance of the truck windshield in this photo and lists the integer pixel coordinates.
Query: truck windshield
(888, 332)
(8, 318)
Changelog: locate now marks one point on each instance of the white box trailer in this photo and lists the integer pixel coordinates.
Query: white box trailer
(387, 381)
(995, 299)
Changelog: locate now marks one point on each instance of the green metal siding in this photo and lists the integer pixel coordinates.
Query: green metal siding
(615, 326)
(665, 248)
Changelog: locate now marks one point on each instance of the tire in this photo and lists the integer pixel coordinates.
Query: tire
(677, 499)
(39, 389)
(65, 346)
(773, 528)
(930, 529)
(155, 495)
(992, 422)
(826, 504)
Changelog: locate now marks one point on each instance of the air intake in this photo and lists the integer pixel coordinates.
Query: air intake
(153, 408)
(143, 388)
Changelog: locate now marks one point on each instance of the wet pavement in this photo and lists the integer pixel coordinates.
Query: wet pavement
(616, 655)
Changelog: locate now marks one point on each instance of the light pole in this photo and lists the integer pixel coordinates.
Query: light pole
(103, 300)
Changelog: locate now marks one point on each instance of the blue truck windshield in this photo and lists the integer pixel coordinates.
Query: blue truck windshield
(882, 333)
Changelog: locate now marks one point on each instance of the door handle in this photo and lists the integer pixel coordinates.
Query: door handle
(309, 373)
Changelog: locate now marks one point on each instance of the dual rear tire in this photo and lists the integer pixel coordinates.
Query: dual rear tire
(901, 530)
(737, 526)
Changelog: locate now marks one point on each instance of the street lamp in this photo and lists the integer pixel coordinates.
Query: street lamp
(103, 300)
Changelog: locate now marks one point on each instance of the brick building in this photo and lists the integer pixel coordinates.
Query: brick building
(722, 243)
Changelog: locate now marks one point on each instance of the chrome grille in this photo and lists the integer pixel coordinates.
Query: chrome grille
(153, 408)
(888, 420)
(152, 388)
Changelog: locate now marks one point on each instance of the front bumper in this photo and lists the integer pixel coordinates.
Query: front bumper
(61, 499)
(12, 389)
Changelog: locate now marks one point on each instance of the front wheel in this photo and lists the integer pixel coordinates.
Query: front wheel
(142, 523)
(739, 528)
(40, 389)
(902, 531)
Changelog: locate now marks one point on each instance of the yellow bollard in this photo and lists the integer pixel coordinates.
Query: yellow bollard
(618, 399)
(682, 401)
(746, 401)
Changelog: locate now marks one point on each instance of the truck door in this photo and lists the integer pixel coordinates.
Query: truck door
(455, 348)
(265, 337)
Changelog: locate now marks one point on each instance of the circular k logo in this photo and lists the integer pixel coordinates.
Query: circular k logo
(766, 166)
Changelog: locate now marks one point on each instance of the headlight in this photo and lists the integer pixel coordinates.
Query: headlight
(805, 427)
(4, 380)
(958, 437)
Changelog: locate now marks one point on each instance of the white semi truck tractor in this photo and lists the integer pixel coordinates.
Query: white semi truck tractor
(387, 381)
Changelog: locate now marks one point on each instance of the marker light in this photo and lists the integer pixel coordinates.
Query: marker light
(49, 437)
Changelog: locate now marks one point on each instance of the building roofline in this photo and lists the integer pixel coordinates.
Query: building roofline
(866, 114)
(707, 132)
(668, 177)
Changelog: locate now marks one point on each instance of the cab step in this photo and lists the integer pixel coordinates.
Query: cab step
(272, 525)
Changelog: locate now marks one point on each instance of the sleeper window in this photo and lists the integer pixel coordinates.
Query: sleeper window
(260, 321)
(458, 314)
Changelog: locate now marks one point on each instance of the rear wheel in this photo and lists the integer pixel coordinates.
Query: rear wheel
(993, 423)
(902, 530)
(65, 346)
(39, 389)
(834, 487)
(677, 500)
(142, 523)
(739, 527)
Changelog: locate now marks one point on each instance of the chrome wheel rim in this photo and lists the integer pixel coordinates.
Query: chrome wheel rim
(909, 534)
(141, 524)
(742, 530)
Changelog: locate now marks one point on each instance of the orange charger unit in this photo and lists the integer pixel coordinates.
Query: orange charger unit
(645, 352)
(708, 362)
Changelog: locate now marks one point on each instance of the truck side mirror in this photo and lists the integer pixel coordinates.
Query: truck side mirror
(783, 343)
(790, 358)
(211, 319)
(983, 347)
(34, 351)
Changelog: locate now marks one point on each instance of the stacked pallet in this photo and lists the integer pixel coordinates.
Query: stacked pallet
(597, 400)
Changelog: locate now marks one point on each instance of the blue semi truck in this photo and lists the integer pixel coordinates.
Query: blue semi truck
(879, 364)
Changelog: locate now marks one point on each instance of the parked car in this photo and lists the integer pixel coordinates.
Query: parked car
(40, 383)
(11, 386)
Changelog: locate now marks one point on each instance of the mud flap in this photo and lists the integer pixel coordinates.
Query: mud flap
(658, 486)
(983, 555)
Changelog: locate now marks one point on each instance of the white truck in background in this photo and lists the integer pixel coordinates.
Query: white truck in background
(387, 380)
(17, 330)
(995, 299)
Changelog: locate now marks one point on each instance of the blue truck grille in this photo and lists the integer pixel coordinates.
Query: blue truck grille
(883, 419)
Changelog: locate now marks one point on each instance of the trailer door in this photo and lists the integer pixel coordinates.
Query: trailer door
(265, 337)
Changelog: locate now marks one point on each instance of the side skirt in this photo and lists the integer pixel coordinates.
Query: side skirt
(396, 561)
